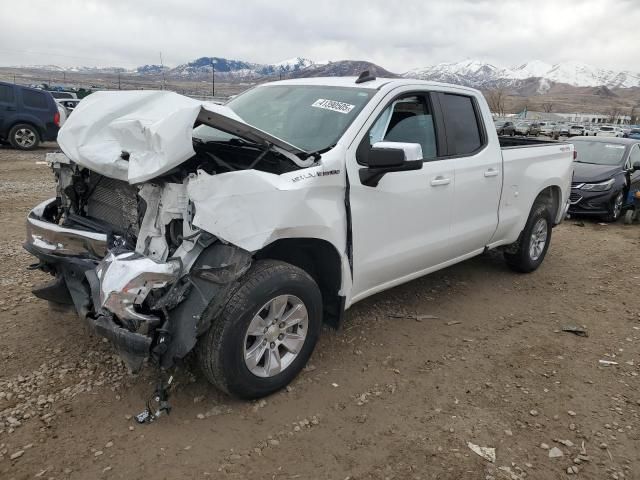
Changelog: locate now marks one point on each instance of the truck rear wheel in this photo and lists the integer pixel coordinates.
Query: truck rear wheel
(529, 251)
(266, 332)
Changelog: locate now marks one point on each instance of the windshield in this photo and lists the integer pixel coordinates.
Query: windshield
(310, 117)
(606, 129)
(599, 153)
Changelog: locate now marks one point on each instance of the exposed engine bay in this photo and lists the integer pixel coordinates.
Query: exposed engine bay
(153, 256)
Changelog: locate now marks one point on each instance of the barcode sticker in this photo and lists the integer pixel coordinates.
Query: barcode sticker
(333, 105)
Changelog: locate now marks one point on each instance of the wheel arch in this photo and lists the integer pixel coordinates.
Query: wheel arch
(552, 195)
(320, 259)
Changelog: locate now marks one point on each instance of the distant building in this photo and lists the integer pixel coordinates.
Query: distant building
(595, 118)
(570, 117)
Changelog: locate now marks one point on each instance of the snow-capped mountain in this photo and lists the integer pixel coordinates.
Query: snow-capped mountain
(228, 68)
(479, 74)
(468, 72)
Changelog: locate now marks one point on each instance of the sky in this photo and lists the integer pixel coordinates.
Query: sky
(398, 35)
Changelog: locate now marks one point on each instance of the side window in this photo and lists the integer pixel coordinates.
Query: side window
(6, 94)
(463, 131)
(34, 99)
(410, 120)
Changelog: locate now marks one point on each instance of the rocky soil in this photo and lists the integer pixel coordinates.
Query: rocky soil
(464, 374)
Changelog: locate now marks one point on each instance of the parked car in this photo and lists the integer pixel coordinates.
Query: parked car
(69, 104)
(580, 131)
(28, 116)
(534, 129)
(505, 128)
(523, 128)
(634, 133)
(546, 128)
(62, 95)
(563, 130)
(606, 169)
(607, 131)
(296, 199)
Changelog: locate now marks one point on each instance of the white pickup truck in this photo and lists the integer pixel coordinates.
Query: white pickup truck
(238, 229)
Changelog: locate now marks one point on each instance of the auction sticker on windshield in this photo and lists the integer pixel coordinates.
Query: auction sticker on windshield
(333, 105)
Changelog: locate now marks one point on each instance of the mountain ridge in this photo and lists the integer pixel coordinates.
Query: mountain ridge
(471, 73)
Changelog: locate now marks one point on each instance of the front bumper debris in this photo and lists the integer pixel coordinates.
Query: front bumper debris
(145, 307)
(105, 291)
(125, 281)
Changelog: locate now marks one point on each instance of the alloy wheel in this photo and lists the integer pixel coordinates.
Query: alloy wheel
(276, 335)
(538, 239)
(25, 137)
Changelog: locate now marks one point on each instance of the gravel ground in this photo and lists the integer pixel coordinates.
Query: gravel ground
(419, 376)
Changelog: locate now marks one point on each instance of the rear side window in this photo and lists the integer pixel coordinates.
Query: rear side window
(34, 99)
(6, 94)
(463, 131)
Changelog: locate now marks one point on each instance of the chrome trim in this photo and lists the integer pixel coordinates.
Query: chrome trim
(127, 278)
(56, 240)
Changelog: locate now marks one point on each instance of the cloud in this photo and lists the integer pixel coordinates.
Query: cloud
(398, 35)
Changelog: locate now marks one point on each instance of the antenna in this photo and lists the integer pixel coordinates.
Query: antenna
(365, 77)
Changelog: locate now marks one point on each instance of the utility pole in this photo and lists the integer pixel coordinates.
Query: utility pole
(119, 80)
(213, 77)
(162, 70)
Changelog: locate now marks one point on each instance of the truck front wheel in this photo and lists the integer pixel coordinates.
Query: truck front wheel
(529, 251)
(266, 332)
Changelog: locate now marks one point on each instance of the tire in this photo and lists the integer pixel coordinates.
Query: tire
(24, 136)
(522, 256)
(616, 208)
(224, 352)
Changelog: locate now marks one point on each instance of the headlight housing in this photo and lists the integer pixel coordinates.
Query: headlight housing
(599, 187)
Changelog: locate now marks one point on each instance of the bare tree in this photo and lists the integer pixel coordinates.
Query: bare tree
(496, 98)
(635, 114)
(547, 107)
(614, 113)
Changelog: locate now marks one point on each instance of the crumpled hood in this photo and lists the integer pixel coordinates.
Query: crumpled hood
(154, 127)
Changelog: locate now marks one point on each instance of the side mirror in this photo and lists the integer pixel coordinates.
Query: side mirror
(636, 166)
(393, 154)
(388, 157)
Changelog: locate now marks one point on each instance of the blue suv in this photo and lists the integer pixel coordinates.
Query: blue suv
(28, 116)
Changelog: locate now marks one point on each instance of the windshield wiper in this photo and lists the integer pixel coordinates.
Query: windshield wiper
(316, 154)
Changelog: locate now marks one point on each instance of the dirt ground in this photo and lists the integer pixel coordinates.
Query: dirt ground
(391, 396)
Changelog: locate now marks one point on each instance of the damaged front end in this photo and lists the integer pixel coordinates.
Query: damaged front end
(131, 262)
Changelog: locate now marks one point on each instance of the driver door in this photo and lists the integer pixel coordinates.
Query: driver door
(401, 226)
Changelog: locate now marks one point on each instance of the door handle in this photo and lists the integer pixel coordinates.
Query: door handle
(440, 180)
(11, 109)
(492, 172)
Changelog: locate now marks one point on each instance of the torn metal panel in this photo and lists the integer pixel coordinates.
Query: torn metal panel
(251, 209)
(213, 275)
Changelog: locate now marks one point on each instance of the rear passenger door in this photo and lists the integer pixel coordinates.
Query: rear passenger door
(478, 173)
(7, 107)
